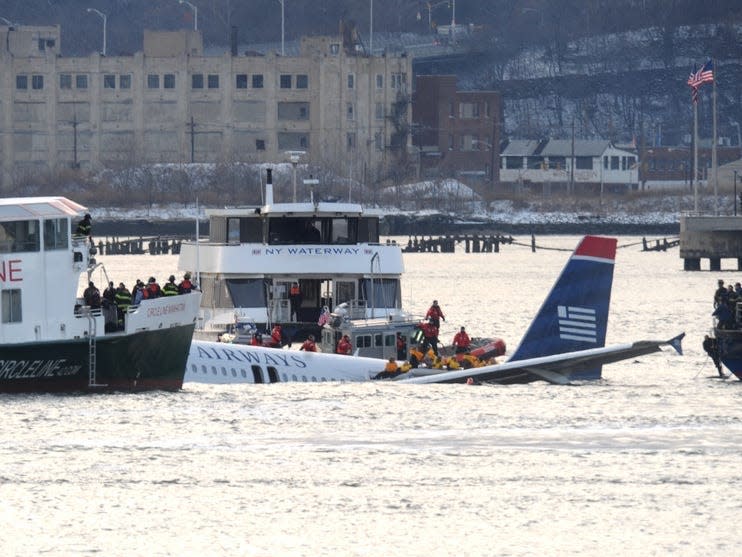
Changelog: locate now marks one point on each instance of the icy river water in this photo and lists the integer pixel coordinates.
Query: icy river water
(643, 462)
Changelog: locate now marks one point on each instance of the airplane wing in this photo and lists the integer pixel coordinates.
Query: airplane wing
(554, 369)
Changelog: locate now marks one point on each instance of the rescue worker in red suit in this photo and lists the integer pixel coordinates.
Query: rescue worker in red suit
(461, 342)
(309, 345)
(276, 336)
(430, 334)
(344, 346)
(435, 314)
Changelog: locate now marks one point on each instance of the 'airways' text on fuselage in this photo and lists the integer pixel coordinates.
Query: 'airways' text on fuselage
(245, 355)
(313, 251)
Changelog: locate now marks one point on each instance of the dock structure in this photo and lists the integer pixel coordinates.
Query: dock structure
(137, 246)
(660, 245)
(710, 237)
(473, 243)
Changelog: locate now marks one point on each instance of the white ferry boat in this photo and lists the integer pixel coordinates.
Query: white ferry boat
(286, 263)
(49, 340)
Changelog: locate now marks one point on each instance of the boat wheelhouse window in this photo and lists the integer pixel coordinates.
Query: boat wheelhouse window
(363, 341)
(344, 231)
(10, 301)
(20, 236)
(233, 231)
(386, 293)
(368, 230)
(246, 293)
(55, 234)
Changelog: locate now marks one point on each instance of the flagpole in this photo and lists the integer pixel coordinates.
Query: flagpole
(713, 147)
(695, 156)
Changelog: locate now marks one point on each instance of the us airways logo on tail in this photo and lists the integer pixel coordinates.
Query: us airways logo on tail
(576, 323)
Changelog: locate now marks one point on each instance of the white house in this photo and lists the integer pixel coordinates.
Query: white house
(588, 165)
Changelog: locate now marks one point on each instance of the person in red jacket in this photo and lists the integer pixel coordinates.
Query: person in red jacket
(461, 342)
(401, 347)
(344, 346)
(276, 336)
(309, 345)
(430, 334)
(435, 314)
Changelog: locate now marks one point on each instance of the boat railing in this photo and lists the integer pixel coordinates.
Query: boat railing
(357, 309)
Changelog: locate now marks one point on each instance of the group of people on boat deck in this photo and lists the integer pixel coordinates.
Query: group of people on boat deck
(725, 304)
(118, 299)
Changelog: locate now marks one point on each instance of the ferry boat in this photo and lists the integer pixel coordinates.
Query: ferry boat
(286, 263)
(50, 341)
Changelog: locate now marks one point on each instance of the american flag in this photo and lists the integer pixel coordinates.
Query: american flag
(703, 75)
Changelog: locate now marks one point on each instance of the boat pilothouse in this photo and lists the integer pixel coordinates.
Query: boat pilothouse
(49, 340)
(284, 263)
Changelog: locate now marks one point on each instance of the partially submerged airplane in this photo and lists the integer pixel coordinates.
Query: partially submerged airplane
(564, 343)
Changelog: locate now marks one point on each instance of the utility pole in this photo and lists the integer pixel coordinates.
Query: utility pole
(192, 126)
(572, 161)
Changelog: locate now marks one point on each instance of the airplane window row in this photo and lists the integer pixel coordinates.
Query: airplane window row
(257, 374)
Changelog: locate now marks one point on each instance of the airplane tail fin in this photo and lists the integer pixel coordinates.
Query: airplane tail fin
(574, 315)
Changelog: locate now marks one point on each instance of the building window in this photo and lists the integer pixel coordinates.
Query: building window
(109, 81)
(257, 81)
(513, 163)
(213, 81)
(534, 163)
(349, 111)
(451, 109)
(351, 81)
(377, 141)
(153, 81)
(450, 142)
(350, 140)
(558, 163)
(399, 81)
(21, 82)
(81, 81)
(584, 163)
(303, 113)
(240, 81)
(303, 143)
(379, 111)
(614, 163)
(469, 110)
(65, 81)
(37, 81)
(125, 81)
(379, 81)
(11, 306)
(335, 49)
(168, 81)
(260, 144)
(285, 81)
(197, 81)
(302, 81)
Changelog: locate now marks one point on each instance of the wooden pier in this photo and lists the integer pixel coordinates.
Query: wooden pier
(473, 243)
(157, 245)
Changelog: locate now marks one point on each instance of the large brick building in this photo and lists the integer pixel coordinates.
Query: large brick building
(172, 103)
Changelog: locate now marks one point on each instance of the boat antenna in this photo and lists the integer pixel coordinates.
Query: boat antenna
(373, 297)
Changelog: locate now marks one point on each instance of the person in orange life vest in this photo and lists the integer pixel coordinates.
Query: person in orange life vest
(416, 357)
(152, 290)
(344, 346)
(309, 345)
(295, 298)
(276, 336)
(256, 340)
(435, 314)
(461, 341)
(185, 286)
(401, 347)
